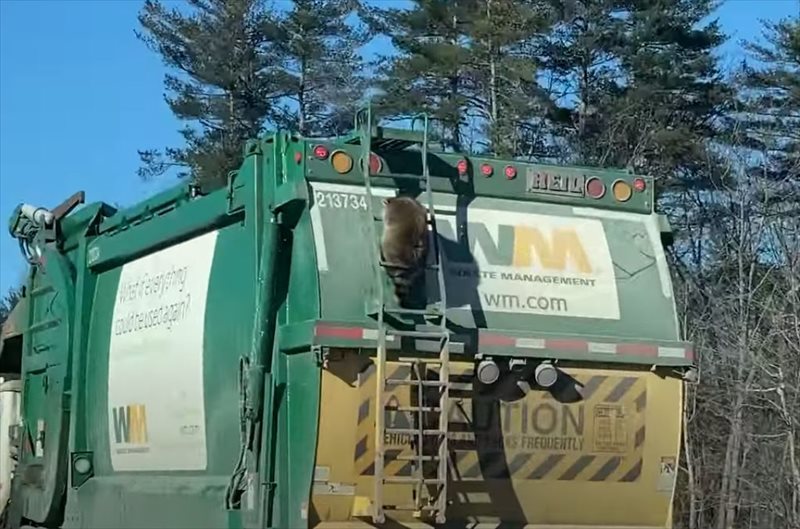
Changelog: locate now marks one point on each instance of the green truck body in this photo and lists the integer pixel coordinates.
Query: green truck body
(173, 354)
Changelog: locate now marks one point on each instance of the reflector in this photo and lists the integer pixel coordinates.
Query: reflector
(375, 163)
(321, 152)
(595, 188)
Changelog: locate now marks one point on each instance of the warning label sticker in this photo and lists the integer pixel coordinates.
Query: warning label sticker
(610, 428)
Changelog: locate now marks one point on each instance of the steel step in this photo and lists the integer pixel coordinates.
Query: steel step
(414, 431)
(434, 313)
(411, 409)
(406, 382)
(417, 458)
(418, 334)
(411, 479)
(418, 360)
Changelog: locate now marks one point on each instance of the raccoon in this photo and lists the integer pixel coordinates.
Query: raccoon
(404, 243)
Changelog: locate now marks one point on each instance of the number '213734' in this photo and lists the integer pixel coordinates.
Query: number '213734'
(331, 199)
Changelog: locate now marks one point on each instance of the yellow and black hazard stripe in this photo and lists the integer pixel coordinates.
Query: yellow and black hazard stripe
(616, 453)
(612, 452)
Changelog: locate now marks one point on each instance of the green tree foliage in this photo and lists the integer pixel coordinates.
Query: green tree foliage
(771, 99)
(221, 81)
(471, 64)
(238, 66)
(639, 84)
(320, 73)
(428, 71)
(501, 78)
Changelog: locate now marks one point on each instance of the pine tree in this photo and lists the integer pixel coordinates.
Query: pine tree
(502, 75)
(322, 72)
(676, 81)
(221, 82)
(640, 85)
(428, 71)
(771, 99)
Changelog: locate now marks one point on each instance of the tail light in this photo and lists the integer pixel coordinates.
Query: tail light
(595, 188)
(320, 152)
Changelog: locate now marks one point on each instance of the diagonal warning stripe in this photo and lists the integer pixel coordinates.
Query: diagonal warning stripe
(545, 467)
(601, 438)
(605, 471)
(591, 386)
(620, 389)
(641, 402)
(576, 468)
(634, 473)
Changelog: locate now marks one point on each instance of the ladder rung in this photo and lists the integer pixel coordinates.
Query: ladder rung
(434, 409)
(411, 479)
(418, 334)
(411, 507)
(414, 431)
(409, 360)
(417, 458)
(411, 312)
(407, 382)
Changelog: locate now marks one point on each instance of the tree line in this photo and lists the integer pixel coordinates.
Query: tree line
(636, 84)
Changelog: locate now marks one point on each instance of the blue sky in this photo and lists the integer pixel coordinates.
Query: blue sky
(79, 94)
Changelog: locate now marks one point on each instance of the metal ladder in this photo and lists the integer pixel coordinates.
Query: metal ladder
(436, 502)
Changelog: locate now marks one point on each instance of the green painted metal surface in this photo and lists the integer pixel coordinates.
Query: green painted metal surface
(176, 346)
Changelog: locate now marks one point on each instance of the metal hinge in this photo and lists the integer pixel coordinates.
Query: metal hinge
(322, 354)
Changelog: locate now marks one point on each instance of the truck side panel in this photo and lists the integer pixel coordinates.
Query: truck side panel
(167, 333)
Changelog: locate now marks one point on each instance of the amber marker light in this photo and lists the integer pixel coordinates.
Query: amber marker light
(341, 162)
(622, 191)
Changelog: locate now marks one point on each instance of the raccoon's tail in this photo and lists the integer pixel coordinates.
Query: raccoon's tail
(403, 281)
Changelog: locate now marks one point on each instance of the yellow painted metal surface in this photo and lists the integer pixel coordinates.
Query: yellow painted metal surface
(601, 451)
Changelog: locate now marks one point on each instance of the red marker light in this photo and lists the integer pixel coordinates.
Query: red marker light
(462, 167)
(321, 152)
(595, 188)
(510, 172)
(639, 184)
(375, 163)
(298, 157)
(486, 169)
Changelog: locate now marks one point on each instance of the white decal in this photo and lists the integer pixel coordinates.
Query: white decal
(156, 415)
(532, 263)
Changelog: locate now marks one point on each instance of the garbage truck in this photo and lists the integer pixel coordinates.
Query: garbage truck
(234, 356)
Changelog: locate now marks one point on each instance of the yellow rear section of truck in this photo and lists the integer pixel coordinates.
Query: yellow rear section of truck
(602, 452)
